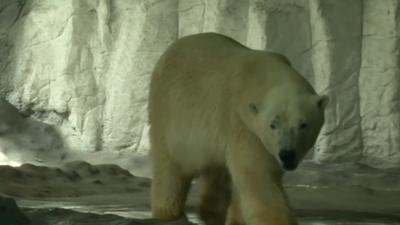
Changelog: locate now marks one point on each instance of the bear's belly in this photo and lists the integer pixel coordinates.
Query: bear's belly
(196, 150)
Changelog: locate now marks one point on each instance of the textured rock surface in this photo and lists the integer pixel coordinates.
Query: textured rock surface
(26, 139)
(84, 66)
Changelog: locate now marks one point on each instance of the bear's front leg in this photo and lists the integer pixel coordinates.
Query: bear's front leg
(234, 214)
(169, 187)
(256, 177)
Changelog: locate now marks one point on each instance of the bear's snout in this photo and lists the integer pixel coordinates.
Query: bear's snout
(288, 158)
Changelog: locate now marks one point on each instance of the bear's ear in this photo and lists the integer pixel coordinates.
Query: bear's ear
(253, 108)
(322, 101)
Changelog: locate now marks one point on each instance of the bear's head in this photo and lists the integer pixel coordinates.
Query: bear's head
(287, 123)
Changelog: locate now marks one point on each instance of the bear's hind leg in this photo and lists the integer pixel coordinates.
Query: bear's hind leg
(169, 187)
(215, 197)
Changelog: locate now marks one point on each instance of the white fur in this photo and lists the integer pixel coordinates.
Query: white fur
(200, 119)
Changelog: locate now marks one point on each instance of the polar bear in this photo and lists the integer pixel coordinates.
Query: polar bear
(235, 117)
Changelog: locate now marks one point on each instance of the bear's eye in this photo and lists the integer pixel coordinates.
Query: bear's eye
(272, 126)
(253, 108)
(303, 125)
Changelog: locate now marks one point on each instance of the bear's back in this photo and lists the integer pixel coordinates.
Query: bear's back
(194, 73)
(189, 98)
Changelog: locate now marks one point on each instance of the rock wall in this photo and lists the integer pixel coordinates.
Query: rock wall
(84, 66)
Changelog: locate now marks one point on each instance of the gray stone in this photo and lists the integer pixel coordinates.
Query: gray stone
(10, 214)
(24, 139)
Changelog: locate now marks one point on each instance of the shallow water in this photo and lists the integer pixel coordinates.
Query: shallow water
(81, 213)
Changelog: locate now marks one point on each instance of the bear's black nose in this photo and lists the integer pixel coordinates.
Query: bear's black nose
(287, 155)
(288, 158)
